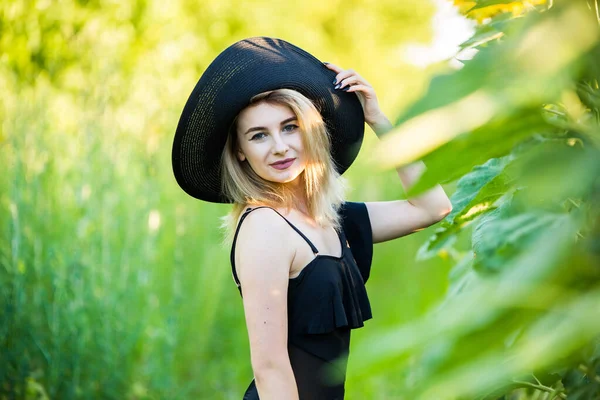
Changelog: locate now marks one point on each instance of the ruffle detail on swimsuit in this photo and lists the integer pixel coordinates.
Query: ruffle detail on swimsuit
(344, 304)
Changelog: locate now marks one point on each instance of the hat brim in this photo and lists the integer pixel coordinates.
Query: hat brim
(246, 68)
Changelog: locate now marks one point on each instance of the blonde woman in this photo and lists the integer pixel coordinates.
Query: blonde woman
(271, 129)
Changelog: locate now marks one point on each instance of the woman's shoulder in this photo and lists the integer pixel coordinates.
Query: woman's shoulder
(261, 222)
(263, 237)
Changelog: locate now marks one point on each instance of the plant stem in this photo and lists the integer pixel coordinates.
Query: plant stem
(542, 388)
(586, 370)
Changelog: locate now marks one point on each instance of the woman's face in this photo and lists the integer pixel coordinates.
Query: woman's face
(267, 134)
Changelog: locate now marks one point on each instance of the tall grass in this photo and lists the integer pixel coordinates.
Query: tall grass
(103, 276)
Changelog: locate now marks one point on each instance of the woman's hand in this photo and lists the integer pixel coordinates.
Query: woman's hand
(350, 81)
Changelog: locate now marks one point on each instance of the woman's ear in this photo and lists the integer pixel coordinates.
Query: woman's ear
(241, 155)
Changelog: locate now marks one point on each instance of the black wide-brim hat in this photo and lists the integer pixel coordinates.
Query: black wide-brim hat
(244, 69)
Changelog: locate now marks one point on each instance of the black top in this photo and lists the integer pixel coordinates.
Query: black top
(325, 301)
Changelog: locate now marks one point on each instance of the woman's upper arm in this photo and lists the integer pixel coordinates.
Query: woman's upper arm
(263, 262)
(397, 218)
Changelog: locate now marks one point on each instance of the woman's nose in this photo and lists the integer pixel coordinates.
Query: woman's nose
(279, 145)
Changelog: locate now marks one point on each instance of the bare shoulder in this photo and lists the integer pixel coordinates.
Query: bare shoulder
(261, 246)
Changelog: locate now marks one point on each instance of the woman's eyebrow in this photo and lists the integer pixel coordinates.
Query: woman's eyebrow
(260, 128)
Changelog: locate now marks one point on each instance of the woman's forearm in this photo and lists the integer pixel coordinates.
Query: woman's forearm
(276, 382)
(433, 200)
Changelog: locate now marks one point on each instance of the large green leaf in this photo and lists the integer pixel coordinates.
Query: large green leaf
(469, 185)
(500, 236)
(484, 200)
(448, 88)
(479, 187)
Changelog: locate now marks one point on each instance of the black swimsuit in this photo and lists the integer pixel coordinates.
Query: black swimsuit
(325, 301)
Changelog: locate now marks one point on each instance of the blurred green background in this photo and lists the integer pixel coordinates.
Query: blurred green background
(114, 284)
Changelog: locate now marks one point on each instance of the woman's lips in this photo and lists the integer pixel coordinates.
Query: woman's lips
(283, 165)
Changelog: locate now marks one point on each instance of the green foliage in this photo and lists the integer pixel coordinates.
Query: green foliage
(521, 316)
(475, 193)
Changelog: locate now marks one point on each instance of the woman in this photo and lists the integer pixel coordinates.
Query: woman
(271, 129)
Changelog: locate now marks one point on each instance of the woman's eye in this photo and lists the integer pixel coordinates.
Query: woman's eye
(257, 136)
(292, 127)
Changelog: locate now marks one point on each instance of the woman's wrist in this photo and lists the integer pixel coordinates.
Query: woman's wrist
(380, 124)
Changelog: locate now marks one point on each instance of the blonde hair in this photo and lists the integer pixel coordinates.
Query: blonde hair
(324, 187)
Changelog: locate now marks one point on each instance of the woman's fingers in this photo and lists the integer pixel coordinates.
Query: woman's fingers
(341, 73)
(348, 80)
(357, 88)
(353, 79)
(344, 74)
(334, 67)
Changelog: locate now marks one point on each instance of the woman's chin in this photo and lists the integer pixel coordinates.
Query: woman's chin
(284, 177)
(282, 180)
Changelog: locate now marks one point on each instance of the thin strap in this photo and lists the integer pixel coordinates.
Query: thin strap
(248, 210)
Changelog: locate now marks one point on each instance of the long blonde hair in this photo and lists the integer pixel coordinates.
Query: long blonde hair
(324, 187)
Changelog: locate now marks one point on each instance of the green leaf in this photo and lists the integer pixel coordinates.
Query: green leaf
(443, 237)
(589, 95)
(461, 275)
(483, 35)
(501, 21)
(470, 185)
(500, 236)
(494, 139)
(480, 186)
(448, 88)
(555, 170)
